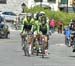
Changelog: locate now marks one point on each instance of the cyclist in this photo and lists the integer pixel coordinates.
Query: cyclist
(73, 38)
(27, 25)
(36, 30)
(67, 33)
(43, 30)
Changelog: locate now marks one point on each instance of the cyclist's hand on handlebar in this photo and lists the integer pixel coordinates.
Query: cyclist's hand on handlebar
(40, 33)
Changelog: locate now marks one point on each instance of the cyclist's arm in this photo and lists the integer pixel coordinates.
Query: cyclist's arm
(23, 22)
(47, 28)
(32, 23)
(32, 28)
(22, 28)
(38, 29)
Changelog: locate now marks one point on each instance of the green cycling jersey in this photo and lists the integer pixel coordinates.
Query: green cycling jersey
(44, 28)
(25, 22)
(36, 26)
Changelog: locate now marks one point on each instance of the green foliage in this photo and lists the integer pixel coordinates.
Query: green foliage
(57, 15)
(37, 0)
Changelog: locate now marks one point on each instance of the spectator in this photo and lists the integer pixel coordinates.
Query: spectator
(52, 25)
(59, 27)
(67, 36)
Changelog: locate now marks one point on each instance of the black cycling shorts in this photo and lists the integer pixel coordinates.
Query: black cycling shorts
(27, 27)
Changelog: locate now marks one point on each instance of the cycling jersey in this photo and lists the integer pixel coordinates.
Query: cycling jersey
(36, 26)
(27, 25)
(44, 28)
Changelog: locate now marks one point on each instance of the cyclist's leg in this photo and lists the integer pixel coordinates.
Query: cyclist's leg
(22, 37)
(40, 41)
(29, 42)
(46, 45)
(46, 42)
(34, 38)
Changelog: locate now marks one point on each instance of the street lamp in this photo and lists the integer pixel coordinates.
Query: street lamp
(23, 6)
(40, 3)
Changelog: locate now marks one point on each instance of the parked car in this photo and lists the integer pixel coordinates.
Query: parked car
(4, 32)
(8, 15)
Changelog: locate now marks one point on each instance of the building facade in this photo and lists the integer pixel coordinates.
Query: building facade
(12, 5)
(53, 4)
(67, 5)
(15, 5)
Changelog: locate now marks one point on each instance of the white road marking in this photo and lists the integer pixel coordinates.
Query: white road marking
(60, 44)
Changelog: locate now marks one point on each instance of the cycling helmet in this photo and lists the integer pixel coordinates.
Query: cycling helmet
(43, 19)
(29, 15)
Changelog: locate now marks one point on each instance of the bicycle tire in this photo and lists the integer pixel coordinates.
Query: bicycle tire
(43, 48)
(37, 48)
(25, 50)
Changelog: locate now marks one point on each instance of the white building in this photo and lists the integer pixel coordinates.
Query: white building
(53, 4)
(12, 5)
(15, 5)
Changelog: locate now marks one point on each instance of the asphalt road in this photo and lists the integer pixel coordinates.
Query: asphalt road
(11, 53)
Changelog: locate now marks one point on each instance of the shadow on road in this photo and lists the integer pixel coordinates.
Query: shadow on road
(72, 56)
(45, 57)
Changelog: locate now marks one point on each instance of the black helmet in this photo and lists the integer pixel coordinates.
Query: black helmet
(29, 15)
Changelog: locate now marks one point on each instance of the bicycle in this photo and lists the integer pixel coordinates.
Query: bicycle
(42, 44)
(27, 44)
(35, 46)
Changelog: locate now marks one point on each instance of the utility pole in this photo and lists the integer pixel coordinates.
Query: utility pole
(67, 6)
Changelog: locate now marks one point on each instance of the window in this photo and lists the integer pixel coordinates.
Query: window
(2, 1)
(53, 1)
(6, 13)
(9, 13)
(64, 1)
(73, 2)
(38, 0)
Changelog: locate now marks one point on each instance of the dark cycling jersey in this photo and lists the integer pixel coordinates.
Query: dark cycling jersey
(43, 29)
(27, 27)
